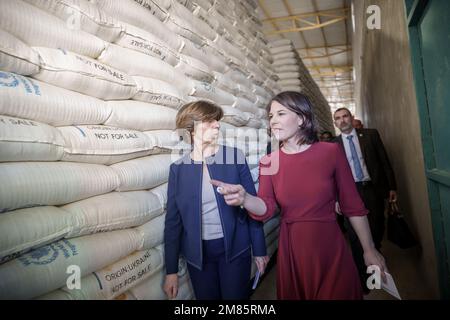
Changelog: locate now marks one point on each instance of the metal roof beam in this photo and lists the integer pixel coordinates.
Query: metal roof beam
(300, 22)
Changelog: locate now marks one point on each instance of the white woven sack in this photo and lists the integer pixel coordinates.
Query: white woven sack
(289, 75)
(143, 173)
(261, 103)
(280, 43)
(285, 62)
(103, 144)
(245, 92)
(266, 67)
(158, 8)
(158, 92)
(113, 280)
(132, 13)
(225, 83)
(255, 70)
(276, 88)
(16, 56)
(245, 105)
(203, 15)
(227, 24)
(251, 52)
(262, 113)
(282, 49)
(215, 61)
(112, 211)
(27, 140)
(165, 140)
(212, 48)
(292, 88)
(205, 4)
(152, 288)
(139, 40)
(26, 98)
(253, 121)
(285, 55)
(52, 183)
(239, 77)
(183, 22)
(139, 64)
(142, 10)
(194, 69)
(45, 269)
(259, 91)
(84, 15)
(38, 28)
(266, 55)
(185, 290)
(265, 123)
(217, 95)
(234, 116)
(85, 75)
(229, 49)
(152, 232)
(25, 229)
(288, 68)
(270, 83)
(161, 193)
(289, 82)
(204, 90)
(140, 116)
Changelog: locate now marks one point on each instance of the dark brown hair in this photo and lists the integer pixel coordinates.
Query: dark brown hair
(197, 111)
(341, 109)
(301, 105)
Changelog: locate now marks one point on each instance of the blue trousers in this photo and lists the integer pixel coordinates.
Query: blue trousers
(219, 279)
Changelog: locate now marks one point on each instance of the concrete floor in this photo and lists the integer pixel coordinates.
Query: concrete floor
(402, 265)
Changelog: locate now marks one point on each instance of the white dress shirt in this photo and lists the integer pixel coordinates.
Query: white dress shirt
(348, 153)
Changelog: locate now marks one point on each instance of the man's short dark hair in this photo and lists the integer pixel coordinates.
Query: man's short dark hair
(343, 108)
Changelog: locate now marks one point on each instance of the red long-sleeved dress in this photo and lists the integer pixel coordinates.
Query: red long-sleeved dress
(314, 260)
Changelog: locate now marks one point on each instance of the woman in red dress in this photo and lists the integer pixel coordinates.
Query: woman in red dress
(304, 178)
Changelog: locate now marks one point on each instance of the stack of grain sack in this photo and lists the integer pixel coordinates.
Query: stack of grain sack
(89, 91)
(294, 76)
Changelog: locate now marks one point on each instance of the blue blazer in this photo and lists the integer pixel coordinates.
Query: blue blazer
(182, 233)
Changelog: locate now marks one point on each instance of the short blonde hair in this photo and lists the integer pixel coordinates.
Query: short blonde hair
(195, 112)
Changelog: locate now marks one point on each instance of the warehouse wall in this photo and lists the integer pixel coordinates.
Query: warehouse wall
(386, 100)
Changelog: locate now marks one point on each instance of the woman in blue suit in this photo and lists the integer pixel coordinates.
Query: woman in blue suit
(217, 240)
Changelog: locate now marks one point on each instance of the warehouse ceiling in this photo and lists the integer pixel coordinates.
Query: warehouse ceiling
(321, 31)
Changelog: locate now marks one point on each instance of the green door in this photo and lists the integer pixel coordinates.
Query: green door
(429, 30)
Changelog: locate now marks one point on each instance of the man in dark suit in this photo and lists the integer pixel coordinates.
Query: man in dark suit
(373, 176)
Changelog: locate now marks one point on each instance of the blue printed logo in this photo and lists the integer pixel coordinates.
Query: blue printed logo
(49, 253)
(8, 80)
(40, 256)
(11, 80)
